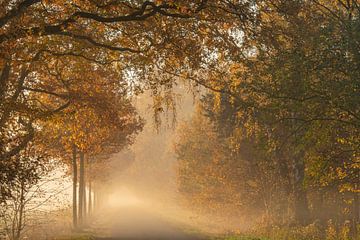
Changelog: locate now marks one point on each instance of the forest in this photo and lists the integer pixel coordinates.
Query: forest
(267, 147)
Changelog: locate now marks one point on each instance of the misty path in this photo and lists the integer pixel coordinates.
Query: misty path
(136, 222)
(129, 215)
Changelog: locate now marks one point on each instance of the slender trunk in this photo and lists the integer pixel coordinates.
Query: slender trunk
(75, 177)
(90, 198)
(14, 221)
(81, 189)
(84, 194)
(4, 77)
(284, 190)
(98, 197)
(21, 213)
(357, 204)
(95, 202)
(89, 210)
(319, 209)
(301, 207)
(356, 213)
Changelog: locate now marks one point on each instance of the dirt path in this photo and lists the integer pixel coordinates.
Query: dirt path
(135, 223)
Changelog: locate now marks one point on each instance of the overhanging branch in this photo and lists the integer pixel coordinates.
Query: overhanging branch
(17, 11)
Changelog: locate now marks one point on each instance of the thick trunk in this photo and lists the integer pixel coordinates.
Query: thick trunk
(75, 177)
(81, 188)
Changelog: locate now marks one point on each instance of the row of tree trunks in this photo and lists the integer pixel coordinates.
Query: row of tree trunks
(83, 205)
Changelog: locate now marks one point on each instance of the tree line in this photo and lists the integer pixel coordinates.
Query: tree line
(278, 138)
(284, 73)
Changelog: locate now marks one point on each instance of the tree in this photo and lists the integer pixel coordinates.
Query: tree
(29, 169)
(284, 72)
(284, 101)
(103, 121)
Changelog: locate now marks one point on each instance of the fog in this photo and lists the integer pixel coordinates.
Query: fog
(142, 200)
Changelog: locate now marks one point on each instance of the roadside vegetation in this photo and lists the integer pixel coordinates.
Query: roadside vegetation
(272, 148)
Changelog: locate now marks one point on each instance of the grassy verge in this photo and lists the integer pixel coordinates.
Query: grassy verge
(244, 238)
(75, 237)
(310, 232)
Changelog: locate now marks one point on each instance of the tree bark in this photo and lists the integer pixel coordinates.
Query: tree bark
(75, 177)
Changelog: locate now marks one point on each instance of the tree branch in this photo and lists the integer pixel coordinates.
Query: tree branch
(73, 54)
(59, 95)
(97, 44)
(17, 11)
(27, 138)
(148, 9)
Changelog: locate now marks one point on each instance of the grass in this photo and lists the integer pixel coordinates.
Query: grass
(75, 237)
(310, 232)
(243, 237)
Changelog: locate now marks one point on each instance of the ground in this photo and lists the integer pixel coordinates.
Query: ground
(137, 223)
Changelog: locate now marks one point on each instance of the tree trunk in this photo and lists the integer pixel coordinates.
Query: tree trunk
(84, 191)
(282, 164)
(21, 212)
(301, 207)
(319, 209)
(75, 177)
(95, 193)
(90, 198)
(84, 195)
(89, 207)
(357, 207)
(81, 188)
(356, 213)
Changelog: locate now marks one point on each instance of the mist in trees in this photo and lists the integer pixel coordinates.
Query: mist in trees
(99, 91)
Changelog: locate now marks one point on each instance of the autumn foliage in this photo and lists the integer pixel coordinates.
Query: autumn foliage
(276, 134)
